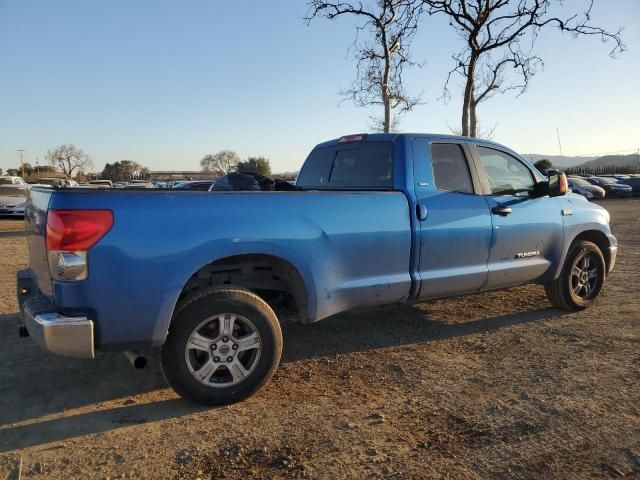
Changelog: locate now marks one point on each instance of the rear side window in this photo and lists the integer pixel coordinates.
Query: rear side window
(317, 168)
(450, 168)
(362, 165)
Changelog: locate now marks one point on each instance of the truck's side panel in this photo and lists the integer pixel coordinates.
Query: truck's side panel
(351, 249)
(527, 243)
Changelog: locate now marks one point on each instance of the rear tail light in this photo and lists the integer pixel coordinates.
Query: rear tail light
(70, 234)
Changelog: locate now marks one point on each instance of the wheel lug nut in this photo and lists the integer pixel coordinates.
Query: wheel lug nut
(225, 339)
(229, 359)
(235, 346)
(214, 346)
(216, 359)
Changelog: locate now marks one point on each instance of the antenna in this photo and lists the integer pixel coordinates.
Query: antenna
(559, 144)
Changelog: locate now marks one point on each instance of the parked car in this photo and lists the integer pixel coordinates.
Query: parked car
(102, 183)
(13, 200)
(139, 184)
(582, 187)
(200, 185)
(8, 180)
(612, 186)
(634, 183)
(618, 176)
(375, 220)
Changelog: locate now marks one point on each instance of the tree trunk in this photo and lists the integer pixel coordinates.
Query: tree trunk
(387, 112)
(473, 119)
(385, 89)
(468, 97)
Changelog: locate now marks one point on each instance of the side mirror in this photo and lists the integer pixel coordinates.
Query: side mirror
(558, 184)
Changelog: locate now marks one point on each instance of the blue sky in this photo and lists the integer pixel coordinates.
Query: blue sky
(165, 82)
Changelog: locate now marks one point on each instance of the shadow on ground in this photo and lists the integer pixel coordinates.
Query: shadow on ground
(13, 234)
(36, 384)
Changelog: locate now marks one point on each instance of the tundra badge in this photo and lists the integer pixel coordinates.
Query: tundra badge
(535, 253)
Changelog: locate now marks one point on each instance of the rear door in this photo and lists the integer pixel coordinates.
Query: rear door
(453, 220)
(527, 229)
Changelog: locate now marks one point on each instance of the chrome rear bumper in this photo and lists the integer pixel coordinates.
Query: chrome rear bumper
(68, 336)
(56, 333)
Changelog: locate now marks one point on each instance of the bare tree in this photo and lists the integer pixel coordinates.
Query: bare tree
(499, 35)
(68, 160)
(392, 25)
(221, 163)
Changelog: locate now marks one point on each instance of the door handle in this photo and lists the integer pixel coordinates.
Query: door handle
(421, 211)
(501, 210)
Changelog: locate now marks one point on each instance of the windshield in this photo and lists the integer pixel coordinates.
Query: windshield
(579, 181)
(607, 180)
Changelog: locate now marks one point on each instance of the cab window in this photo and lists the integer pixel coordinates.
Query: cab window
(506, 174)
(363, 165)
(450, 168)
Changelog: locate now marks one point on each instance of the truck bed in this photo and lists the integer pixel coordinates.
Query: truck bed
(356, 242)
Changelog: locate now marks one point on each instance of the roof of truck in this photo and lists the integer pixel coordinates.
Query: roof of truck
(389, 137)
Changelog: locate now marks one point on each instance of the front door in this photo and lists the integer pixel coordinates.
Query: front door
(527, 229)
(453, 220)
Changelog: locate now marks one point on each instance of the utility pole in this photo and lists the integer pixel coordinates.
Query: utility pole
(20, 151)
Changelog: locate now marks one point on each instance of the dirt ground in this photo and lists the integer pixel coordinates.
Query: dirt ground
(498, 385)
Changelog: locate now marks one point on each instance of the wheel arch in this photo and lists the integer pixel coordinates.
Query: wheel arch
(600, 239)
(257, 272)
(594, 235)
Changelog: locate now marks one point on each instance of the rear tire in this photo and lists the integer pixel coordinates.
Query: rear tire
(581, 279)
(224, 344)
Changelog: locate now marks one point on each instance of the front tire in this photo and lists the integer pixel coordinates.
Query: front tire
(224, 344)
(581, 280)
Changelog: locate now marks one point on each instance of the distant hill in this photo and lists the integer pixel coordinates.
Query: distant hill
(631, 160)
(558, 161)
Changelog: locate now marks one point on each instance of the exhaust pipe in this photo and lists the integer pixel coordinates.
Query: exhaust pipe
(136, 359)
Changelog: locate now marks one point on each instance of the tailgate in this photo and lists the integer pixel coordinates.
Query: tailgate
(35, 219)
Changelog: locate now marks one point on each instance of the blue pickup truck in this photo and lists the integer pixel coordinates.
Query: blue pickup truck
(372, 220)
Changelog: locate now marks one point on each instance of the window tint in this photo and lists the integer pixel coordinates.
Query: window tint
(361, 165)
(344, 167)
(316, 169)
(507, 175)
(450, 169)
